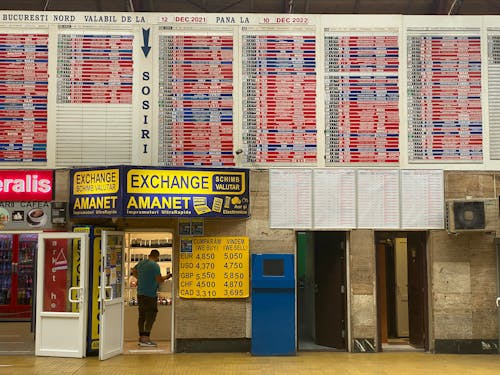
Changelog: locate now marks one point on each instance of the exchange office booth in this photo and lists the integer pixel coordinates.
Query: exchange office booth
(135, 246)
(91, 309)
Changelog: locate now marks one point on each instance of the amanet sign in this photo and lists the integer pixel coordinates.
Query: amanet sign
(128, 191)
(95, 192)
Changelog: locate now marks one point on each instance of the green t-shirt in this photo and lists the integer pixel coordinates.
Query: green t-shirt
(147, 271)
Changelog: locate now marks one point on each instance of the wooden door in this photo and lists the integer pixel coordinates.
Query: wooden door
(330, 301)
(417, 290)
(381, 295)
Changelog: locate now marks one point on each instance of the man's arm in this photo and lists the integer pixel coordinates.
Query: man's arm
(161, 278)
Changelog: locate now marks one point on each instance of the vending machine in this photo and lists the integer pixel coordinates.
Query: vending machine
(17, 265)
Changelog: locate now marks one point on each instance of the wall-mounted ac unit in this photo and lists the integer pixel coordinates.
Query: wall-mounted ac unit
(464, 215)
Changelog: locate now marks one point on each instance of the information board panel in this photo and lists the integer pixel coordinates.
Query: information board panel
(290, 198)
(24, 82)
(214, 267)
(279, 98)
(422, 199)
(378, 199)
(196, 100)
(334, 197)
(362, 98)
(444, 98)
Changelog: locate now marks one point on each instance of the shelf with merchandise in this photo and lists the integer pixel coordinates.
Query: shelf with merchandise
(138, 247)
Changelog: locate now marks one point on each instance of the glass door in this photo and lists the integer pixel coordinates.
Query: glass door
(6, 273)
(25, 267)
(61, 312)
(111, 295)
(17, 262)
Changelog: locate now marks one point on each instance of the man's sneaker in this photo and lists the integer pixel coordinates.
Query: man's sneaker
(147, 343)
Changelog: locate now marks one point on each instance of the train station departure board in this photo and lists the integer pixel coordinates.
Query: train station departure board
(361, 98)
(494, 94)
(95, 73)
(196, 100)
(23, 97)
(279, 98)
(94, 68)
(214, 267)
(444, 98)
(249, 90)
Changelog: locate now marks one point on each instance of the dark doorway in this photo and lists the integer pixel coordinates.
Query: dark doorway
(402, 307)
(321, 293)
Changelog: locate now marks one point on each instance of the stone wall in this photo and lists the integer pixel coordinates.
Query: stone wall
(199, 322)
(462, 280)
(362, 289)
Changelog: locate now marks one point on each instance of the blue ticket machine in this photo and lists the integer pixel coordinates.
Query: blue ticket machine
(273, 304)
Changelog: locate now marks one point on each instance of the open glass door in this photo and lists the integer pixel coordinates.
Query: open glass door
(111, 295)
(61, 312)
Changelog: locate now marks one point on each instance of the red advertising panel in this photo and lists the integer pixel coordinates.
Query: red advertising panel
(26, 185)
(56, 275)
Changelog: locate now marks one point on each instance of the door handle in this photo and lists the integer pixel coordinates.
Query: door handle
(104, 298)
(15, 268)
(498, 301)
(79, 294)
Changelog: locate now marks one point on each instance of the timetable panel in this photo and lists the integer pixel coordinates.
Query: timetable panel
(23, 97)
(290, 198)
(444, 98)
(279, 98)
(196, 100)
(361, 99)
(94, 69)
(494, 94)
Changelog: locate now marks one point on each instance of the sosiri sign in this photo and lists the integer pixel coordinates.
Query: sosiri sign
(26, 185)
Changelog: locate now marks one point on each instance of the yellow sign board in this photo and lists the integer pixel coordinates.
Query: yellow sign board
(214, 267)
(175, 181)
(102, 181)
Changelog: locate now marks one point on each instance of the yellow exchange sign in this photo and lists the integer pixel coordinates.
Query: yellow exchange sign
(103, 181)
(168, 181)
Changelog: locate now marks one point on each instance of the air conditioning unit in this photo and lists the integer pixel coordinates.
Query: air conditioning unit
(465, 215)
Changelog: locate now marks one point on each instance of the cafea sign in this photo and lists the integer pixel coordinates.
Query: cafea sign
(26, 185)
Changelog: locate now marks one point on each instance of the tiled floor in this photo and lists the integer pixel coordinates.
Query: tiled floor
(160, 360)
(307, 363)
(132, 347)
(16, 339)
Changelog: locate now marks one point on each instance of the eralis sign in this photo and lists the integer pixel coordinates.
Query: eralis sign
(22, 185)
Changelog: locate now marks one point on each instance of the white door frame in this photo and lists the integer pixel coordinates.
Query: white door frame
(62, 334)
(112, 307)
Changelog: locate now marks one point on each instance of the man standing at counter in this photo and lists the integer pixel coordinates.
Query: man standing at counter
(148, 275)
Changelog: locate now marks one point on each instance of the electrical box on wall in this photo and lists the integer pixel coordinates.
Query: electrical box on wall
(59, 212)
(464, 215)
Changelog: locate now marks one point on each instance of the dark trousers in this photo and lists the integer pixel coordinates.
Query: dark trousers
(148, 307)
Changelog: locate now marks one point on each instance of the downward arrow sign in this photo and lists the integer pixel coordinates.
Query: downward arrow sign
(145, 37)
